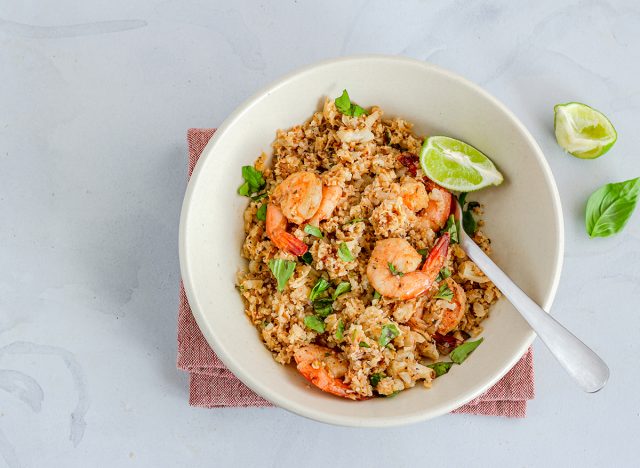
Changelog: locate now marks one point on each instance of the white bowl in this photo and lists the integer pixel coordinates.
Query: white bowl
(523, 218)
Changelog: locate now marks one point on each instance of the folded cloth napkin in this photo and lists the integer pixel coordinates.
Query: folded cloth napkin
(212, 385)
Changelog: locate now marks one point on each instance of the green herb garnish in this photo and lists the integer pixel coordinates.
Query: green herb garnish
(321, 286)
(393, 270)
(307, 258)
(261, 214)
(441, 368)
(340, 330)
(444, 274)
(362, 344)
(323, 307)
(389, 332)
(374, 379)
(260, 196)
(344, 253)
(342, 288)
(282, 270)
(353, 221)
(423, 252)
(444, 292)
(346, 107)
(452, 228)
(253, 181)
(460, 353)
(610, 207)
(376, 295)
(314, 323)
(391, 395)
(468, 221)
(313, 231)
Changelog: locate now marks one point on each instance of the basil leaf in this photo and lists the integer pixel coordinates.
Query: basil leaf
(342, 288)
(444, 274)
(260, 196)
(261, 214)
(472, 204)
(343, 103)
(307, 258)
(460, 353)
(313, 231)
(244, 189)
(323, 307)
(376, 295)
(321, 286)
(374, 379)
(362, 344)
(340, 330)
(393, 270)
(389, 332)
(254, 177)
(346, 107)
(423, 252)
(282, 270)
(469, 223)
(440, 368)
(314, 323)
(444, 292)
(452, 228)
(610, 207)
(462, 197)
(344, 253)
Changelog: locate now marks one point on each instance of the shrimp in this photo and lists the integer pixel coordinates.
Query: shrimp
(276, 226)
(451, 316)
(405, 259)
(330, 197)
(433, 208)
(323, 368)
(300, 197)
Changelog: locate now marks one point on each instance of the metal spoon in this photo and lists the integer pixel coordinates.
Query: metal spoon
(587, 369)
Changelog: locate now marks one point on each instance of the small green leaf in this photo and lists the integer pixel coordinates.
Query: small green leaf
(282, 270)
(314, 323)
(260, 196)
(460, 353)
(389, 332)
(444, 274)
(441, 368)
(393, 270)
(357, 111)
(444, 292)
(469, 223)
(321, 286)
(610, 207)
(340, 330)
(462, 198)
(323, 307)
(261, 214)
(452, 228)
(363, 344)
(342, 288)
(244, 189)
(343, 103)
(376, 295)
(307, 258)
(344, 253)
(423, 252)
(353, 221)
(374, 379)
(313, 231)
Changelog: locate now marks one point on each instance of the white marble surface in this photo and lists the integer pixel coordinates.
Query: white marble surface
(95, 100)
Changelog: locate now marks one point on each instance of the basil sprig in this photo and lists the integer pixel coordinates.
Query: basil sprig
(313, 231)
(610, 207)
(458, 355)
(314, 323)
(321, 286)
(441, 368)
(389, 332)
(452, 228)
(282, 270)
(344, 253)
(444, 274)
(340, 330)
(346, 107)
(469, 223)
(444, 292)
(342, 288)
(261, 214)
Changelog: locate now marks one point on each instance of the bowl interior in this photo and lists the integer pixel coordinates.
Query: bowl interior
(522, 217)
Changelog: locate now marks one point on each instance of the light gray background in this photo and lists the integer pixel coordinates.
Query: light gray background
(95, 99)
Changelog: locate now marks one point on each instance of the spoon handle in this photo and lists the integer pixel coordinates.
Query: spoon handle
(585, 366)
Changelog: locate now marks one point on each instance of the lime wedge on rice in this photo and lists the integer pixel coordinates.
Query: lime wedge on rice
(456, 165)
(583, 131)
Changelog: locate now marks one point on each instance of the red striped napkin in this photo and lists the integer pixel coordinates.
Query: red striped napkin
(212, 385)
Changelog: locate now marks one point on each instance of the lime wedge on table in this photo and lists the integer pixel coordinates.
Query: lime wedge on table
(456, 165)
(583, 131)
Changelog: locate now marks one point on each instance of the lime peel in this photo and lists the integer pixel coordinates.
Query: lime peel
(582, 131)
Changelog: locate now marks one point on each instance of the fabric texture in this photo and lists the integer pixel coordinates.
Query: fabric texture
(212, 385)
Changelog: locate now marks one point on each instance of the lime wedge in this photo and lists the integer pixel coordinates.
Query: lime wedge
(456, 165)
(583, 131)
